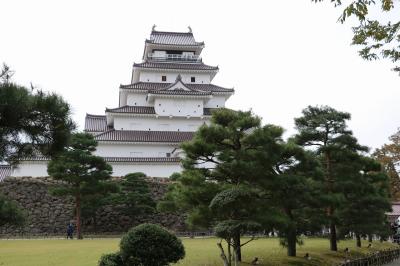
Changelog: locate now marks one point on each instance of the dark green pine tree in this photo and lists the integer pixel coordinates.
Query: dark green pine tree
(191, 193)
(31, 121)
(221, 152)
(216, 158)
(85, 174)
(292, 180)
(324, 130)
(366, 198)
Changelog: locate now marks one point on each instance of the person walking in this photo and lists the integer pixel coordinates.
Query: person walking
(70, 231)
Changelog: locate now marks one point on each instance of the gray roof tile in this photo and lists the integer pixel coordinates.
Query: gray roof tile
(145, 110)
(173, 38)
(132, 109)
(152, 86)
(95, 123)
(178, 66)
(145, 136)
(143, 159)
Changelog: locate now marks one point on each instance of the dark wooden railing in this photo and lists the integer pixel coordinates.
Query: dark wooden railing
(378, 258)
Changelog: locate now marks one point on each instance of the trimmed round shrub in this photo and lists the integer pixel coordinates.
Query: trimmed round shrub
(112, 259)
(150, 245)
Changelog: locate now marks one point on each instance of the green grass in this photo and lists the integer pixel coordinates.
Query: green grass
(199, 251)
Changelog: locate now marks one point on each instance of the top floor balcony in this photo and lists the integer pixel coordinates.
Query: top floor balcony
(173, 57)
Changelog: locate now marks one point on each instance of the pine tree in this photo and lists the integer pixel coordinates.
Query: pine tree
(324, 131)
(85, 174)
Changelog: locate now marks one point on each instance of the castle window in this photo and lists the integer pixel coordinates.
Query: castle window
(159, 104)
(193, 79)
(163, 78)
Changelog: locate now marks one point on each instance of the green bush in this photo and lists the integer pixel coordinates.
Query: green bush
(112, 259)
(150, 245)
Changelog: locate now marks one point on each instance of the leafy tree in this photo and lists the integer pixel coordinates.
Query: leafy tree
(31, 121)
(389, 156)
(84, 173)
(146, 244)
(324, 130)
(221, 153)
(293, 185)
(191, 194)
(236, 211)
(10, 213)
(134, 197)
(378, 38)
(366, 198)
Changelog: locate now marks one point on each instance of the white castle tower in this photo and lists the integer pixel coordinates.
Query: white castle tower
(169, 97)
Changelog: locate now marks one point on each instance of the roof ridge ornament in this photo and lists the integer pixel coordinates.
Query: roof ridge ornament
(178, 78)
(190, 29)
(154, 27)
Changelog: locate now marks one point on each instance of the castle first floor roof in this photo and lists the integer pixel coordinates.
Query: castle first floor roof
(145, 136)
(173, 38)
(157, 86)
(177, 66)
(6, 170)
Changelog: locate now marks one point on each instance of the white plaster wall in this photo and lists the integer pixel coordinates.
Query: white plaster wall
(216, 102)
(179, 107)
(153, 170)
(150, 76)
(158, 124)
(33, 169)
(138, 99)
(133, 150)
(119, 169)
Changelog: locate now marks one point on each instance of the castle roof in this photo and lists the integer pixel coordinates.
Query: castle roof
(178, 66)
(132, 109)
(173, 38)
(145, 136)
(7, 168)
(144, 110)
(153, 86)
(95, 123)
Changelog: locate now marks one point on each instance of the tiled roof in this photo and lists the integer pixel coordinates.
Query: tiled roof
(132, 109)
(179, 66)
(181, 92)
(5, 170)
(95, 123)
(107, 159)
(146, 110)
(142, 159)
(145, 136)
(151, 86)
(173, 38)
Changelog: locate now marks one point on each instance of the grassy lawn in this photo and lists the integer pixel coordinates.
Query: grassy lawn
(199, 251)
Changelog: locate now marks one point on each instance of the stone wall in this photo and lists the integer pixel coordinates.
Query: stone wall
(49, 215)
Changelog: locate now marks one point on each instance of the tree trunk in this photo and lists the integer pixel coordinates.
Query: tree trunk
(223, 256)
(78, 216)
(358, 238)
(291, 243)
(237, 248)
(370, 238)
(332, 237)
(330, 181)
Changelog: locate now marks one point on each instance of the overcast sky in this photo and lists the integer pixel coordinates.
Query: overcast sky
(280, 56)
